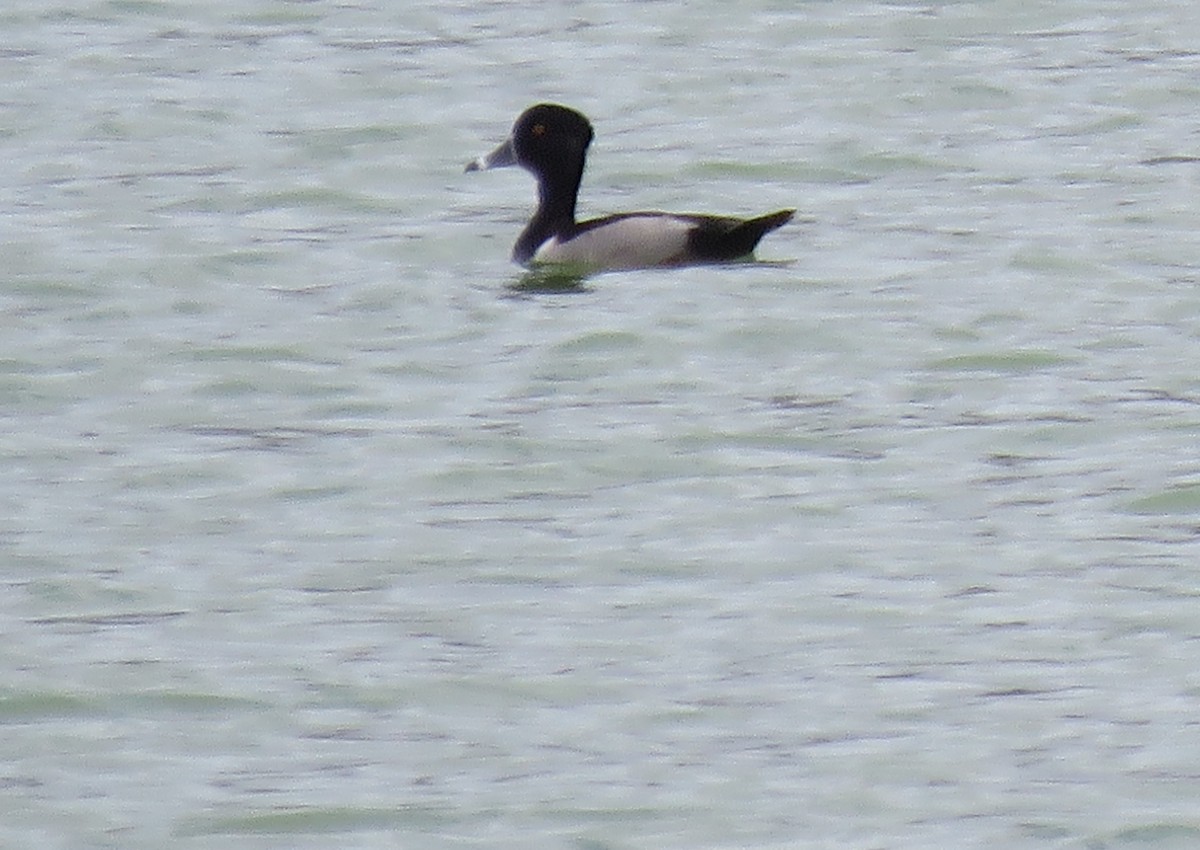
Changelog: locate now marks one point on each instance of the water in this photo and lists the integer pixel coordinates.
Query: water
(318, 531)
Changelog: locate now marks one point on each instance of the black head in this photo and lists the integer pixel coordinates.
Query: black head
(551, 142)
(549, 138)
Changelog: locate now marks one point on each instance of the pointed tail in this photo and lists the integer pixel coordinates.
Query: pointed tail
(732, 239)
(754, 229)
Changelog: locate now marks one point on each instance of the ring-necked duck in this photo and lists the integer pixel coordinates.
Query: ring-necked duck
(551, 141)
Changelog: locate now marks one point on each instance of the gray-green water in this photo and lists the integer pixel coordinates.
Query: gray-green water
(316, 531)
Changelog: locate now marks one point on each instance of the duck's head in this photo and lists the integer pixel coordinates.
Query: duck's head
(547, 140)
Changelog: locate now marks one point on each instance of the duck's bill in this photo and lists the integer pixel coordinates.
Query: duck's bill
(500, 157)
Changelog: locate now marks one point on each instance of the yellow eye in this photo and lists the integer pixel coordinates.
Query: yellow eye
(538, 130)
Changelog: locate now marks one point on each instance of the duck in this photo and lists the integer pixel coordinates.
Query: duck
(550, 141)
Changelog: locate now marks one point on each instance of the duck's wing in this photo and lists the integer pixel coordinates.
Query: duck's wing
(651, 239)
(624, 241)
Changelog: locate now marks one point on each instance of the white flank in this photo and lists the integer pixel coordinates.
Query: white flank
(636, 242)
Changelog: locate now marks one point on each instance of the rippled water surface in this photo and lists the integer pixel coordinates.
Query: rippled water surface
(320, 527)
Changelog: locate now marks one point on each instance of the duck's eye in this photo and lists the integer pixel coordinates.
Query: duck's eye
(538, 130)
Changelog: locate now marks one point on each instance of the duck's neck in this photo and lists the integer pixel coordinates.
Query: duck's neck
(557, 194)
(555, 215)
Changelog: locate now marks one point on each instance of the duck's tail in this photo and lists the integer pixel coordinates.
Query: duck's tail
(754, 229)
(734, 238)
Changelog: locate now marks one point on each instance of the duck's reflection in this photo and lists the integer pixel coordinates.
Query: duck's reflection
(549, 279)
